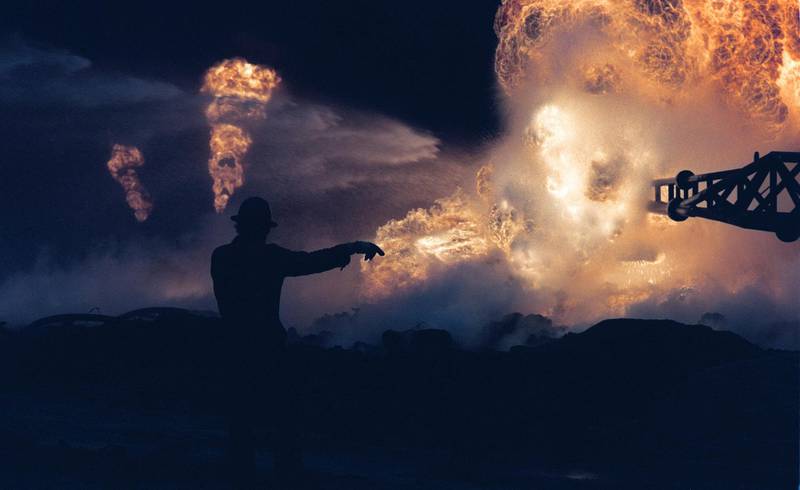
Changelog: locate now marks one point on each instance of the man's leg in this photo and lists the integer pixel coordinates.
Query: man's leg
(241, 439)
(287, 456)
(241, 452)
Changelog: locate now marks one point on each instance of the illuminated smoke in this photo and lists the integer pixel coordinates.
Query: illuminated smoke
(504, 225)
(483, 182)
(240, 92)
(603, 97)
(447, 233)
(122, 165)
(504, 222)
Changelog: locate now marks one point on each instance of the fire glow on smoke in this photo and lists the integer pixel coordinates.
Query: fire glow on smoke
(602, 97)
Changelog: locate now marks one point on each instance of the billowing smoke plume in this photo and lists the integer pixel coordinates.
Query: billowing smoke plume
(603, 97)
(123, 164)
(240, 93)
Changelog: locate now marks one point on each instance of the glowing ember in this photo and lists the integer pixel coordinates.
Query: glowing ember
(241, 92)
(122, 165)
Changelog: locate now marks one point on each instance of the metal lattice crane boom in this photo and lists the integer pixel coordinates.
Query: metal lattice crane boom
(763, 195)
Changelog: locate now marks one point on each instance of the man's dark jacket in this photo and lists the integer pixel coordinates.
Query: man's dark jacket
(248, 278)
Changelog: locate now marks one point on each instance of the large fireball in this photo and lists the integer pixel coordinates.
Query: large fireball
(603, 96)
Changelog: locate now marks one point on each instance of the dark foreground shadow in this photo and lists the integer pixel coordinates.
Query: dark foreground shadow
(138, 403)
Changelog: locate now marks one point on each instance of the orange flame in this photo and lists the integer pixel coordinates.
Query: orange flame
(122, 165)
(749, 48)
(240, 91)
(446, 233)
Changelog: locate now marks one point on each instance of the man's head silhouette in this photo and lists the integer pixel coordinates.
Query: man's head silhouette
(254, 218)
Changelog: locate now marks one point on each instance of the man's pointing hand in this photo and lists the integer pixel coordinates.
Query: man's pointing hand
(369, 250)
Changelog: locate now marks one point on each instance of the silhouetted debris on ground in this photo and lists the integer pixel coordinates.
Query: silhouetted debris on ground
(518, 329)
(624, 404)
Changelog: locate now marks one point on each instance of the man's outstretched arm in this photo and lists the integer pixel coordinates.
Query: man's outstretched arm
(304, 263)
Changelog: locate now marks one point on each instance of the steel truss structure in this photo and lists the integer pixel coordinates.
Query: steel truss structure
(763, 195)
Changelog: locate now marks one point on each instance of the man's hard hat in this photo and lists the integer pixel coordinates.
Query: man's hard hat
(254, 210)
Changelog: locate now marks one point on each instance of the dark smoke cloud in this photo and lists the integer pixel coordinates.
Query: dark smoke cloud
(36, 76)
(518, 329)
(115, 278)
(752, 312)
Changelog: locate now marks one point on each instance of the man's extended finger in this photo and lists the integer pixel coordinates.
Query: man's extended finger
(380, 251)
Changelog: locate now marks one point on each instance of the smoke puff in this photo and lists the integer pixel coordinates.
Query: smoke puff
(751, 312)
(323, 147)
(461, 299)
(518, 329)
(114, 280)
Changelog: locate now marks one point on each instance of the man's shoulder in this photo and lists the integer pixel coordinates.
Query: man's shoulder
(226, 254)
(275, 249)
(231, 250)
(222, 250)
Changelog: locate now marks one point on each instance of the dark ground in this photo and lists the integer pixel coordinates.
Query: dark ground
(134, 403)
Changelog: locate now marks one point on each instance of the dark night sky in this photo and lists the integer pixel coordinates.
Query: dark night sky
(426, 64)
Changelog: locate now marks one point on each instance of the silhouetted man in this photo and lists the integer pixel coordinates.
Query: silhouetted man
(248, 275)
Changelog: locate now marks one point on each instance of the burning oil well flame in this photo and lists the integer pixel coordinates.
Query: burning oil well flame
(123, 164)
(603, 96)
(240, 92)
